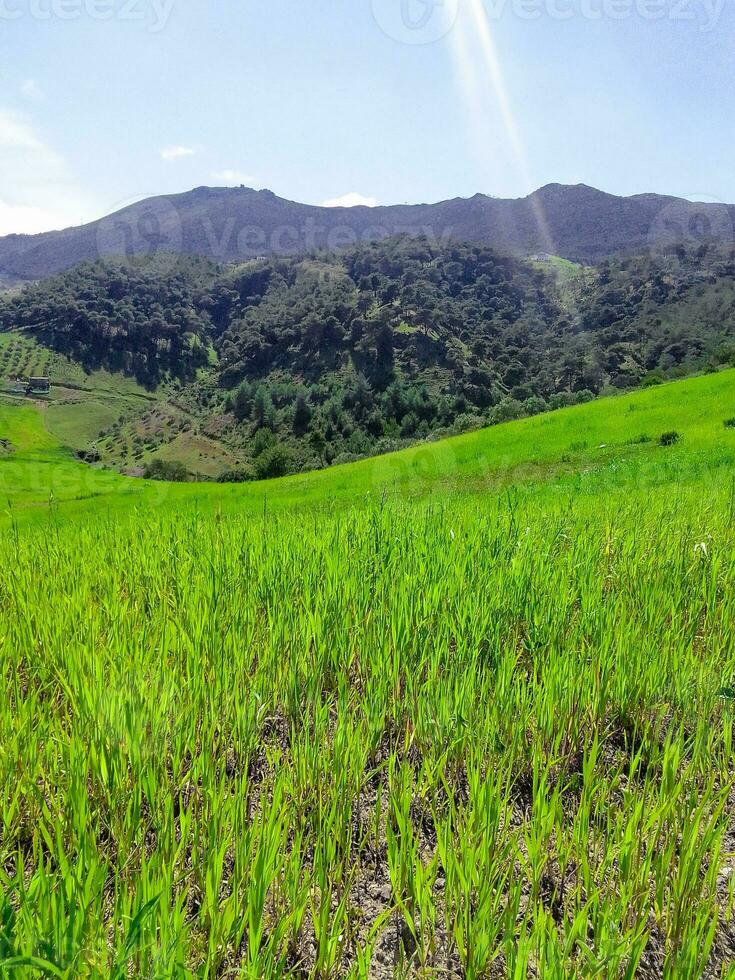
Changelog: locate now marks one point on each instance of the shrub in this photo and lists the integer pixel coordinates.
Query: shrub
(505, 411)
(262, 441)
(409, 424)
(169, 470)
(301, 415)
(89, 455)
(669, 439)
(468, 423)
(534, 406)
(275, 461)
(343, 458)
(240, 475)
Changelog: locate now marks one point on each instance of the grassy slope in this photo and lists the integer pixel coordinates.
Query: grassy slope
(587, 446)
(80, 403)
(492, 735)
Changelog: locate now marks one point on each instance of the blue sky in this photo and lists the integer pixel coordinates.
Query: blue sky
(106, 101)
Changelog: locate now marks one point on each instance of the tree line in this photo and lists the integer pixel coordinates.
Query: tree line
(335, 356)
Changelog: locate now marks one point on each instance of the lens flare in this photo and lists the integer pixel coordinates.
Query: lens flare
(481, 79)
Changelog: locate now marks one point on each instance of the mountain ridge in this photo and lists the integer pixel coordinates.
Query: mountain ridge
(230, 224)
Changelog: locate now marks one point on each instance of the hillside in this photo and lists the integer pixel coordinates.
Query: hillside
(235, 224)
(582, 451)
(283, 365)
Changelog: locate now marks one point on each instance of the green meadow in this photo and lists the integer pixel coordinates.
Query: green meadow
(612, 442)
(462, 711)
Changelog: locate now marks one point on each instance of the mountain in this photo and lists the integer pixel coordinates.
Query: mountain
(233, 224)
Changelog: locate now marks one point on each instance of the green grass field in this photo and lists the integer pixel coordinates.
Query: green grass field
(583, 450)
(463, 711)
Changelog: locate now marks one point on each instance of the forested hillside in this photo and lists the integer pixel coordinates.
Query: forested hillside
(297, 362)
(145, 318)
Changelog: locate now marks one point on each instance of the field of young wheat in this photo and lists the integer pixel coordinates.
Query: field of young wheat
(477, 734)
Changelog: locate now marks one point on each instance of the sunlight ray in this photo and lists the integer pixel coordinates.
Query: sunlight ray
(481, 78)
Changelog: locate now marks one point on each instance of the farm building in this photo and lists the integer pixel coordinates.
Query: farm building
(30, 386)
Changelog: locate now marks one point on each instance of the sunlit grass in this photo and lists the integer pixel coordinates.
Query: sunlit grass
(478, 725)
(591, 447)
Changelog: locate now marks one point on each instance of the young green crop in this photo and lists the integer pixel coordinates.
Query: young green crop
(475, 734)
(491, 737)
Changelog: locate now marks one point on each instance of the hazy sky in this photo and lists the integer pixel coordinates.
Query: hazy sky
(106, 101)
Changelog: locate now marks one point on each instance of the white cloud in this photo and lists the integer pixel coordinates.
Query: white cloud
(38, 192)
(351, 200)
(232, 177)
(31, 89)
(178, 152)
(29, 220)
(17, 134)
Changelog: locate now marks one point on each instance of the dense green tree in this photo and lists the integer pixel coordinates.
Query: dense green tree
(273, 462)
(301, 415)
(140, 316)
